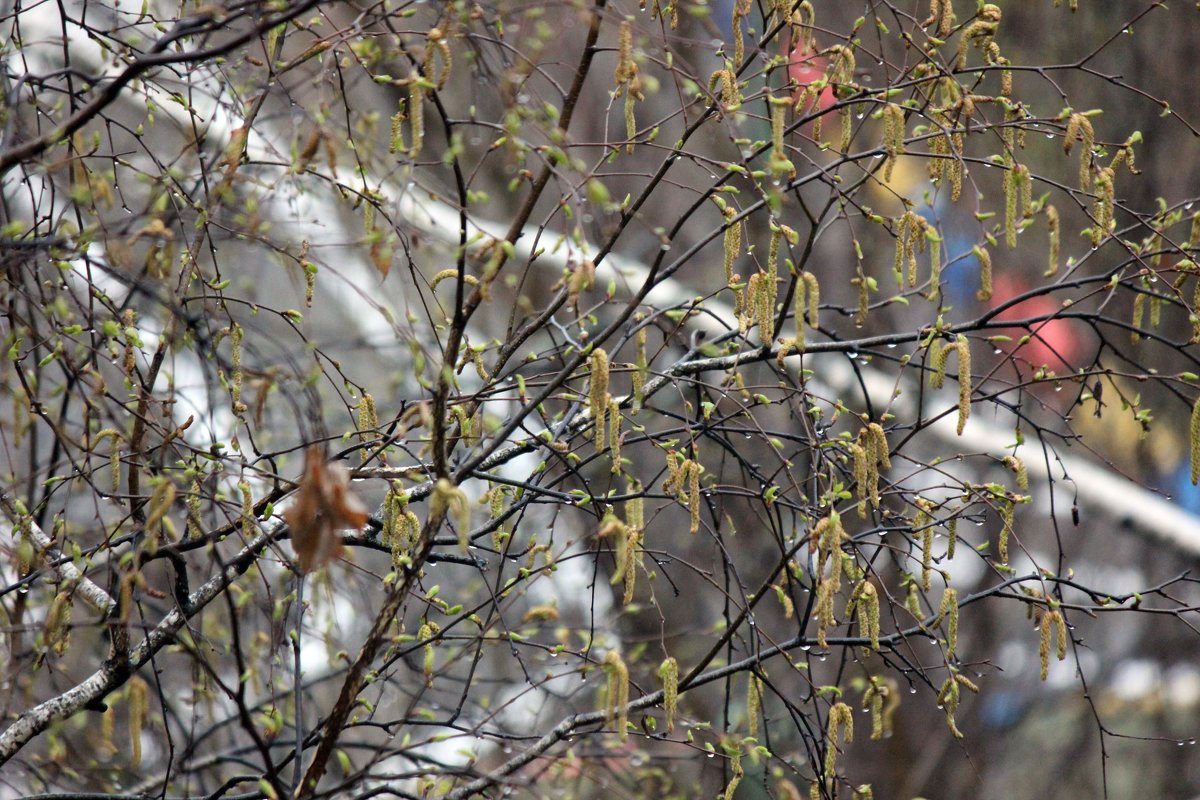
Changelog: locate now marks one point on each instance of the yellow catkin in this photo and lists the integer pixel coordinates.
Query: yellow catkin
(368, 422)
(614, 434)
(916, 241)
(114, 456)
(813, 292)
(193, 527)
(235, 337)
(948, 611)
(873, 699)
(428, 656)
(416, 117)
(926, 558)
(948, 698)
(868, 613)
(737, 772)
(870, 468)
(1080, 127)
(633, 93)
(1006, 519)
(982, 34)
(825, 616)
(1061, 640)
(802, 21)
(396, 142)
(1194, 236)
(779, 165)
(773, 250)
(964, 382)
(1053, 228)
(130, 360)
(248, 523)
(880, 443)
(632, 539)
(139, 704)
(1102, 212)
(1194, 433)
(939, 148)
(598, 393)
(985, 273)
(935, 262)
(938, 354)
(1139, 308)
(1017, 465)
(635, 506)
(952, 537)
(893, 137)
(861, 476)
(912, 600)
(1012, 193)
(902, 238)
(847, 128)
(694, 496)
(1052, 624)
(732, 245)
(452, 500)
(1026, 178)
(669, 672)
(754, 690)
(58, 623)
(624, 54)
(840, 726)
(436, 46)
(617, 700)
(741, 8)
(392, 510)
(956, 167)
(762, 305)
(943, 10)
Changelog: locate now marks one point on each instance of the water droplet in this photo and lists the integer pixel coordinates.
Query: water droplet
(665, 247)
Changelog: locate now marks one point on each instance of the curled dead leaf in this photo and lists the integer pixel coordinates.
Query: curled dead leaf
(323, 505)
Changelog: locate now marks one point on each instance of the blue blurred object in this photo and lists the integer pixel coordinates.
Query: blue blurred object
(1002, 708)
(1181, 488)
(722, 14)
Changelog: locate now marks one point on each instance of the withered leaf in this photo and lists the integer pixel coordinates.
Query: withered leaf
(323, 505)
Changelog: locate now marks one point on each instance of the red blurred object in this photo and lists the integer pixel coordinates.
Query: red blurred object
(806, 66)
(1057, 343)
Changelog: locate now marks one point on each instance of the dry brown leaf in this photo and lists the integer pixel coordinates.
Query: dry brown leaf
(323, 505)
